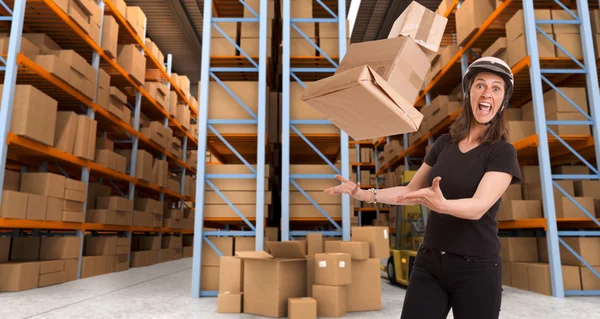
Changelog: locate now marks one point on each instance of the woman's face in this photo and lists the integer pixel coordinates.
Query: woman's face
(487, 93)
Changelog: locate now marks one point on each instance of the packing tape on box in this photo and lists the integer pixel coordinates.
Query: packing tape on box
(425, 26)
(415, 80)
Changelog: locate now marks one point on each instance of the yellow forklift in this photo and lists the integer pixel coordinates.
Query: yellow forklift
(406, 239)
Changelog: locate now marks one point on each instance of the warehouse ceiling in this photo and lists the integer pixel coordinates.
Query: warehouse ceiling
(176, 25)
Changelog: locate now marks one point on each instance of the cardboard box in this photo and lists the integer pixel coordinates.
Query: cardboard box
(12, 180)
(302, 308)
(333, 269)
(36, 207)
(357, 250)
(364, 293)
(228, 302)
(33, 114)
(497, 49)
(114, 202)
(377, 237)
(314, 243)
(19, 276)
(519, 130)
(390, 59)
(100, 246)
(231, 275)
(555, 103)
(14, 205)
(65, 132)
(133, 62)
(470, 16)
(565, 208)
(137, 19)
(223, 244)
(271, 279)
(332, 302)
(519, 209)
(539, 278)
(85, 139)
(521, 249)
(570, 43)
(422, 25)
(517, 49)
(48, 184)
(569, 129)
(53, 248)
(25, 248)
(54, 65)
(110, 34)
(515, 27)
(347, 93)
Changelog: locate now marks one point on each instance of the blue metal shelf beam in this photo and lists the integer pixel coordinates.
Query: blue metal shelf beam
(289, 73)
(205, 126)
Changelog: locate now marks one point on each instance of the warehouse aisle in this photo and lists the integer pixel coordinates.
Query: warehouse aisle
(162, 291)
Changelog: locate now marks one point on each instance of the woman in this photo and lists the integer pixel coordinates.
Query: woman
(462, 181)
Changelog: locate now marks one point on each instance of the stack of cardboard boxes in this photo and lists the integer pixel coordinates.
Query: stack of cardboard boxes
(37, 261)
(525, 263)
(110, 36)
(302, 279)
(521, 120)
(102, 254)
(377, 74)
(159, 92)
(301, 206)
(148, 212)
(111, 210)
(240, 192)
(524, 201)
(42, 196)
(170, 248)
(106, 156)
(145, 251)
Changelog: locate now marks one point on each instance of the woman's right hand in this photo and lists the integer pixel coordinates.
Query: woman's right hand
(347, 187)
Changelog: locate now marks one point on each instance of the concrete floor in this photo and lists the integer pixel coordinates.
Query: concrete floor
(163, 291)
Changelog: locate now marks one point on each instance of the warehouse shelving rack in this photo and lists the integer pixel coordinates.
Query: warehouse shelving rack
(18, 152)
(535, 75)
(294, 144)
(217, 69)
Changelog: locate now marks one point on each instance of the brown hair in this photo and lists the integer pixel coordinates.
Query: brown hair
(494, 133)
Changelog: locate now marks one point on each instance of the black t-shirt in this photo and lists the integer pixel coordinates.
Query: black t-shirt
(461, 174)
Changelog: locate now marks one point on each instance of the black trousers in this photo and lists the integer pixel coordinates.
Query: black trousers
(440, 281)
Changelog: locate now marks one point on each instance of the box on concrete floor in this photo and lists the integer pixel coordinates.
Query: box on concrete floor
(332, 302)
(302, 308)
(364, 293)
(52, 273)
(230, 302)
(271, 279)
(19, 276)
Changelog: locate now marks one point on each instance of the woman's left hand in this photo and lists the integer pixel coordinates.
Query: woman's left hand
(431, 197)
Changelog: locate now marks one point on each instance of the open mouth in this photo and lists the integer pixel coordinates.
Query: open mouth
(485, 107)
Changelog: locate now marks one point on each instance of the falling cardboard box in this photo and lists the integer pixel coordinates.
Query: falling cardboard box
(361, 103)
(422, 25)
(400, 61)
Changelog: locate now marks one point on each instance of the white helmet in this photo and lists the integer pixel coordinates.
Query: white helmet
(493, 65)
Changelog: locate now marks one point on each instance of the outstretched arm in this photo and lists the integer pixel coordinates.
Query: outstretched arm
(490, 189)
(385, 196)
